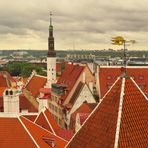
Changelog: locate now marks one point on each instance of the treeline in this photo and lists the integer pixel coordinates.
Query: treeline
(23, 69)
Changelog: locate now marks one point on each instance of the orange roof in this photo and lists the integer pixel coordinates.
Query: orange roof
(46, 120)
(35, 84)
(39, 134)
(120, 120)
(30, 117)
(108, 75)
(70, 76)
(2, 89)
(20, 132)
(13, 134)
(84, 108)
(25, 104)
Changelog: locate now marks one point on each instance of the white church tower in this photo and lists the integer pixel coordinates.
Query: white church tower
(51, 57)
(11, 101)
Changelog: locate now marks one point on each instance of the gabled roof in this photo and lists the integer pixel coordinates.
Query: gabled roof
(120, 120)
(69, 77)
(20, 132)
(46, 120)
(35, 84)
(42, 136)
(84, 108)
(108, 75)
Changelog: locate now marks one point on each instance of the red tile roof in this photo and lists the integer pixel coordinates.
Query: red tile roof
(45, 90)
(30, 117)
(83, 117)
(108, 75)
(40, 134)
(84, 108)
(25, 104)
(35, 84)
(123, 125)
(70, 76)
(13, 134)
(2, 89)
(5, 81)
(41, 120)
(46, 120)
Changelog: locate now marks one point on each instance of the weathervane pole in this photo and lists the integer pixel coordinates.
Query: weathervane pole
(124, 56)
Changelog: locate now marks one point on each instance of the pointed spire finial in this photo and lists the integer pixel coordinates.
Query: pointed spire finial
(51, 18)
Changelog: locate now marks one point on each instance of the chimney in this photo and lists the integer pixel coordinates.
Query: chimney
(11, 101)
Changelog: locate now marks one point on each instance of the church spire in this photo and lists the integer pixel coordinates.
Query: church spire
(51, 51)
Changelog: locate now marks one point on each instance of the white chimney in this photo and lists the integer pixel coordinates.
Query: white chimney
(11, 101)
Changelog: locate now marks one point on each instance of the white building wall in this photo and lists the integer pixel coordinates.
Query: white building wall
(51, 71)
(11, 103)
(77, 124)
(43, 103)
(85, 95)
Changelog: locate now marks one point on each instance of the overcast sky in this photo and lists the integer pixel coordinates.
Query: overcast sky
(83, 24)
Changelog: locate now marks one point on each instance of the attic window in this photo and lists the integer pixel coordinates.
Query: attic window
(141, 77)
(49, 141)
(109, 77)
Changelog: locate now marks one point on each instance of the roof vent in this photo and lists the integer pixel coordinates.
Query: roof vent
(50, 141)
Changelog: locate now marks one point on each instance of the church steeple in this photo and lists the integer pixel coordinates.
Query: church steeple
(51, 57)
(51, 51)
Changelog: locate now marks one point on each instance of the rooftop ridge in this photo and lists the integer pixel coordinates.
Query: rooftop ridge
(49, 123)
(126, 66)
(92, 112)
(139, 88)
(45, 129)
(27, 131)
(119, 113)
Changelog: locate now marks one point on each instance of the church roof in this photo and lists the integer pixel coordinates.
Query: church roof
(120, 120)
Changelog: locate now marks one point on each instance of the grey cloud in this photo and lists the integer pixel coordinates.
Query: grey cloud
(81, 20)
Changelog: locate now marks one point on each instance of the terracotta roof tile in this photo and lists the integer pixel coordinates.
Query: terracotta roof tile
(30, 117)
(134, 119)
(84, 108)
(99, 129)
(35, 84)
(108, 75)
(39, 134)
(25, 104)
(41, 120)
(131, 116)
(13, 134)
(70, 76)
